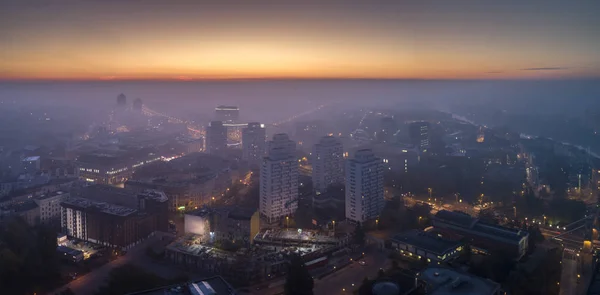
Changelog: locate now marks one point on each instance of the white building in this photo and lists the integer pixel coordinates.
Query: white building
(49, 205)
(364, 186)
(254, 143)
(327, 163)
(31, 164)
(279, 179)
(216, 137)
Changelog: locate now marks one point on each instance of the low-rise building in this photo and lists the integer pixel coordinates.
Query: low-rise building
(490, 237)
(445, 281)
(418, 244)
(69, 254)
(209, 286)
(28, 211)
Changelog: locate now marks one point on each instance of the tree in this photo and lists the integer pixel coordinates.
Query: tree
(535, 237)
(487, 215)
(359, 235)
(28, 260)
(366, 288)
(298, 280)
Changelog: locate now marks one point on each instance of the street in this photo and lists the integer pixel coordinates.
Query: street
(351, 277)
(568, 280)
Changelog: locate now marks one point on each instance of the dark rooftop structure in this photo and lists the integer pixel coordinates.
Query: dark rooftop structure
(426, 241)
(457, 218)
(482, 235)
(466, 221)
(210, 286)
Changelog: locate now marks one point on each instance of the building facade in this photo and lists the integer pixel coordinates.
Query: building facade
(279, 179)
(254, 143)
(364, 186)
(419, 134)
(216, 137)
(228, 114)
(99, 220)
(327, 164)
(420, 245)
(49, 205)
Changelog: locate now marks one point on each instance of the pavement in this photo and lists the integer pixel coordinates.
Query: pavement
(568, 280)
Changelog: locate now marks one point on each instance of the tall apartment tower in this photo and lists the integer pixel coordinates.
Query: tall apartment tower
(364, 186)
(419, 134)
(254, 143)
(216, 137)
(279, 179)
(327, 163)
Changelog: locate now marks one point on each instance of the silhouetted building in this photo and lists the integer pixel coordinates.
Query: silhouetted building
(227, 114)
(254, 143)
(419, 134)
(327, 164)
(488, 237)
(121, 100)
(364, 187)
(279, 179)
(216, 137)
(138, 104)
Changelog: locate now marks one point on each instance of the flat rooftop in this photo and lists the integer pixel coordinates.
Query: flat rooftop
(444, 281)
(104, 207)
(294, 235)
(154, 195)
(426, 241)
(52, 195)
(107, 194)
(31, 159)
(210, 286)
(464, 220)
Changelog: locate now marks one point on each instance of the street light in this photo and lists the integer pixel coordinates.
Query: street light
(287, 221)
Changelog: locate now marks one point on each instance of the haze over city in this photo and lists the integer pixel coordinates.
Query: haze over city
(300, 147)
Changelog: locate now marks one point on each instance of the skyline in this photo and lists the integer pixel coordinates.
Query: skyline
(178, 40)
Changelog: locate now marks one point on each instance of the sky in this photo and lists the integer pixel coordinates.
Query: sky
(201, 39)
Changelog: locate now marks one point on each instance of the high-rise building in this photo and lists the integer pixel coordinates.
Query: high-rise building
(327, 163)
(364, 186)
(279, 179)
(254, 143)
(216, 137)
(138, 104)
(121, 100)
(419, 134)
(227, 114)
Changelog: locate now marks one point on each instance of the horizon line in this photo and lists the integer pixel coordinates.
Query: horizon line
(252, 79)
